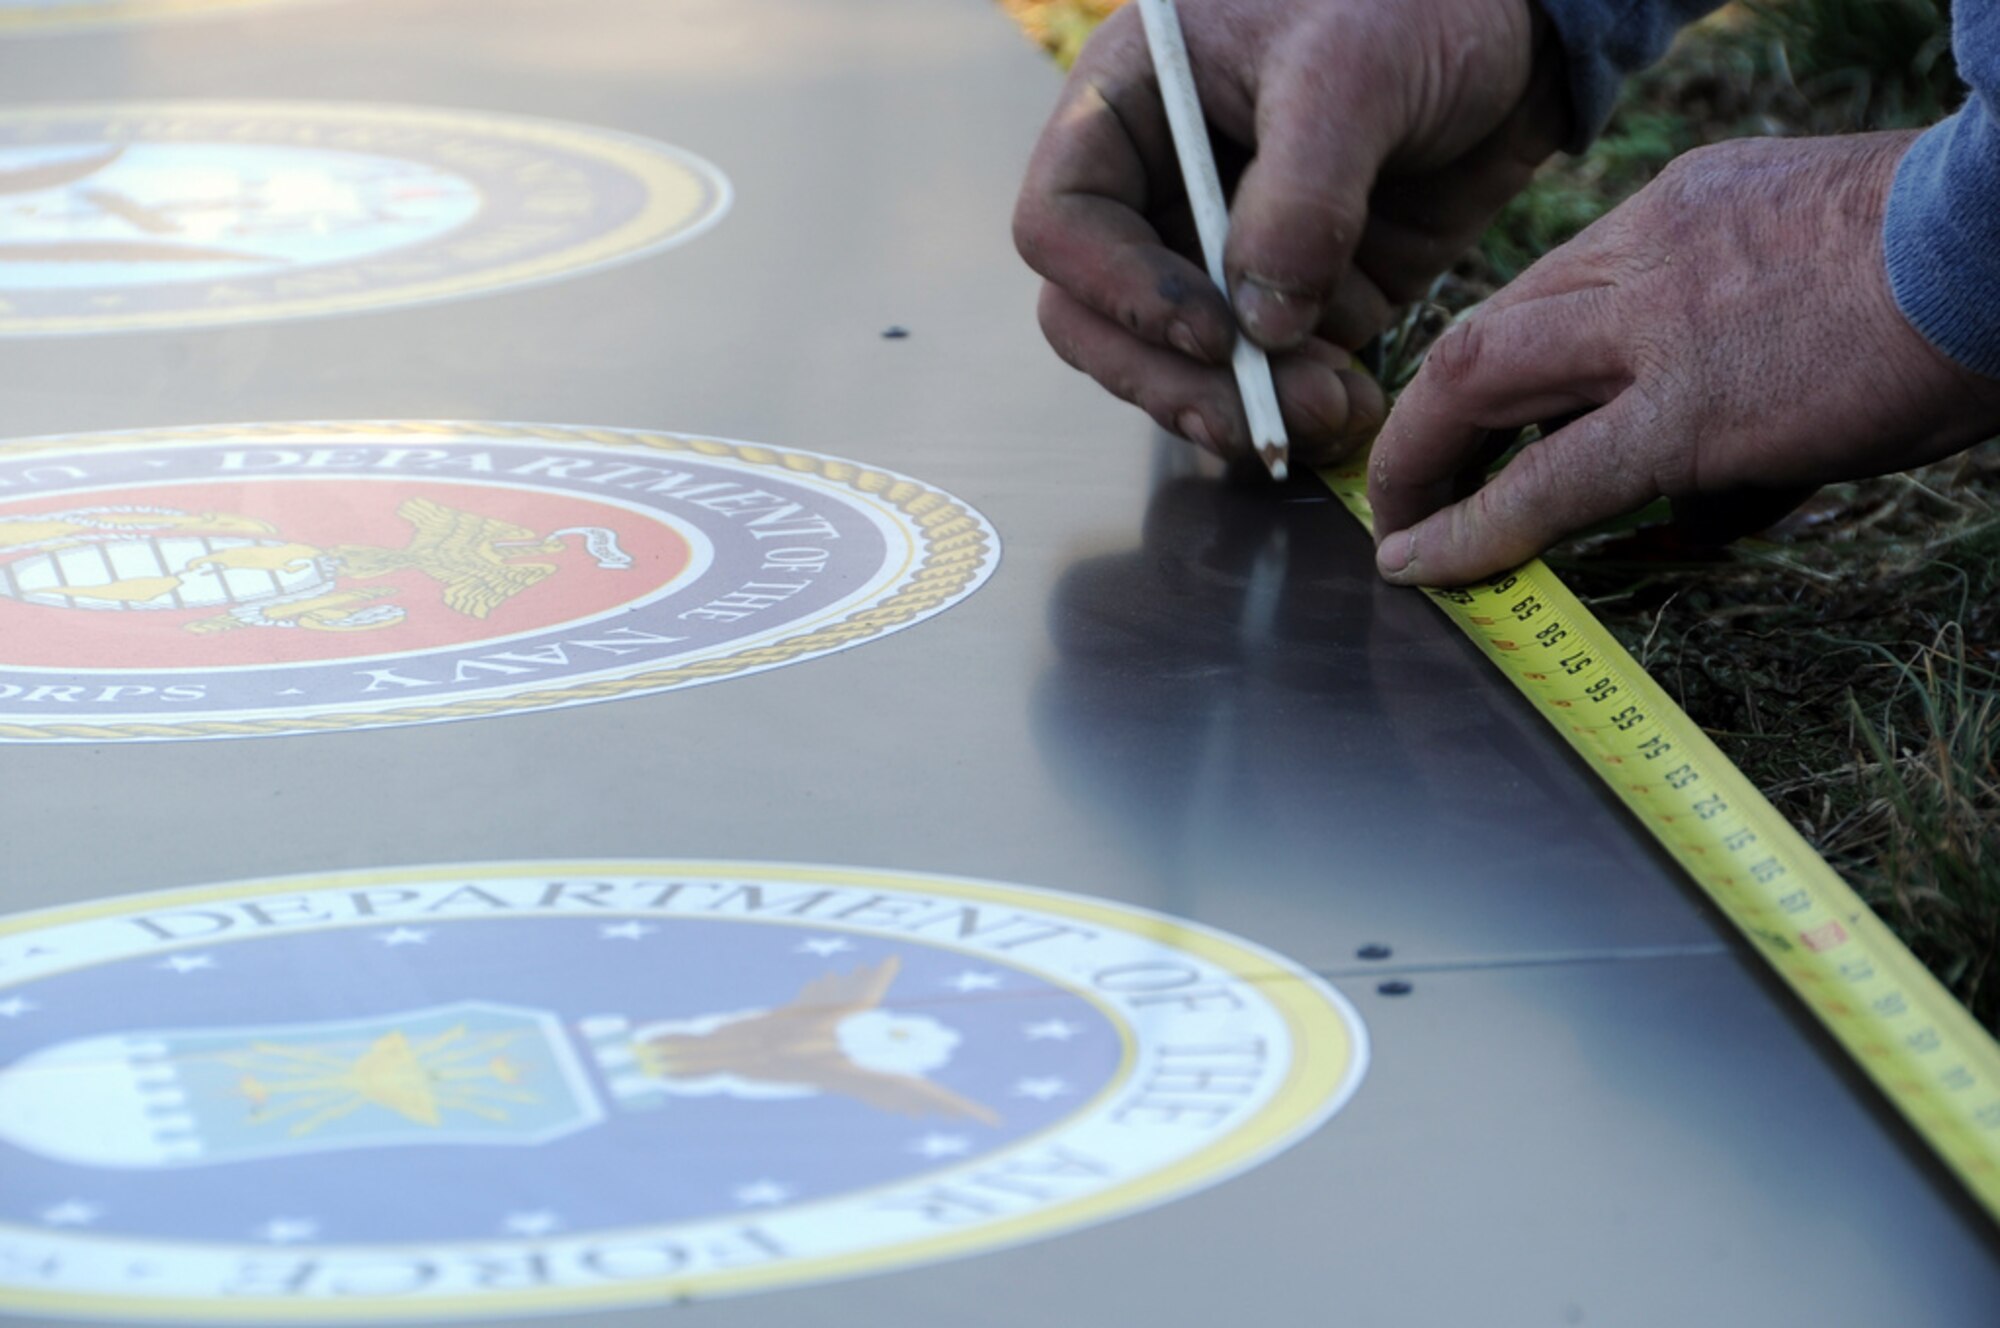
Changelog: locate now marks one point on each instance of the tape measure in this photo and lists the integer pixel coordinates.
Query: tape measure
(1912, 1037)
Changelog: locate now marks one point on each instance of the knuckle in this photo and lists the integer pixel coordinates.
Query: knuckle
(1046, 236)
(1534, 477)
(1656, 446)
(1172, 407)
(1128, 379)
(1475, 520)
(1337, 218)
(1116, 44)
(1175, 420)
(1295, 241)
(1165, 418)
(1158, 406)
(1120, 383)
(1170, 410)
(1121, 29)
(1059, 328)
(1065, 348)
(1689, 167)
(1457, 357)
(1704, 157)
(1509, 516)
(1030, 230)
(1695, 178)
(1657, 366)
(1343, 216)
(1318, 405)
(1164, 406)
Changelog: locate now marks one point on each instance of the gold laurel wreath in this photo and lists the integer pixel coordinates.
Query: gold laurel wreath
(957, 549)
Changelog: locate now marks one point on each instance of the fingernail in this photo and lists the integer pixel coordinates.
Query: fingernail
(1392, 555)
(1274, 316)
(1195, 429)
(1181, 337)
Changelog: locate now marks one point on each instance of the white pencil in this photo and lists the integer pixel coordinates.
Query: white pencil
(1211, 220)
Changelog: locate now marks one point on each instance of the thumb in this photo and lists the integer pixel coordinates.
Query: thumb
(1302, 202)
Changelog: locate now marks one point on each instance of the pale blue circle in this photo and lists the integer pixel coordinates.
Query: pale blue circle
(168, 213)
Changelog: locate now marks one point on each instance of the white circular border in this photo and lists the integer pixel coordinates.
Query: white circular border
(1293, 1099)
(899, 531)
(87, 16)
(475, 281)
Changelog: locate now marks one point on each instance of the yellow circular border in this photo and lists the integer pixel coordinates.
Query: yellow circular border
(685, 196)
(1330, 1054)
(121, 13)
(959, 551)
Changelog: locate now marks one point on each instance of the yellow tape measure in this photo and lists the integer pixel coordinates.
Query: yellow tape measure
(1911, 1036)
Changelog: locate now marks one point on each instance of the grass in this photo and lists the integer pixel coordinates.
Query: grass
(1773, 67)
(1847, 660)
(1933, 813)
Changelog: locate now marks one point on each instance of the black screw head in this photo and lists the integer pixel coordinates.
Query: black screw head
(895, 333)
(1394, 987)
(1373, 951)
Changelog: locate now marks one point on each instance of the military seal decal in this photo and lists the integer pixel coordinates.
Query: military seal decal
(277, 579)
(129, 217)
(498, 1089)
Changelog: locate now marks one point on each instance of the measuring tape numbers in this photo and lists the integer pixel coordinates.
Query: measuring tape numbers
(1911, 1036)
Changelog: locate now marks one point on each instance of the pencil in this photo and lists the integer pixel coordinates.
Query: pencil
(1211, 220)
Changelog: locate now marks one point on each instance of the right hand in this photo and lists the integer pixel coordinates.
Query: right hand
(1381, 135)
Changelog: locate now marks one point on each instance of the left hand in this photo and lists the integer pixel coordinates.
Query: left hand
(1729, 328)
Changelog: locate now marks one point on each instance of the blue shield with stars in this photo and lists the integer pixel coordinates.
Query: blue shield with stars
(638, 1073)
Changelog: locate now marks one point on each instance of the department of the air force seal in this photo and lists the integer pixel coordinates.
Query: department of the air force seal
(27, 17)
(136, 216)
(273, 579)
(500, 1089)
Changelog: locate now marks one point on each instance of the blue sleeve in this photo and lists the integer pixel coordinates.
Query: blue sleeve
(1942, 235)
(1604, 40)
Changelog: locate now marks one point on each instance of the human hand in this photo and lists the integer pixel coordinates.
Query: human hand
(1380, 137)
(1730, 328)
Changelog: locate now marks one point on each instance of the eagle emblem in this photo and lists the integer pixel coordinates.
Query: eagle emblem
(154, 558)
(834, 1038)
